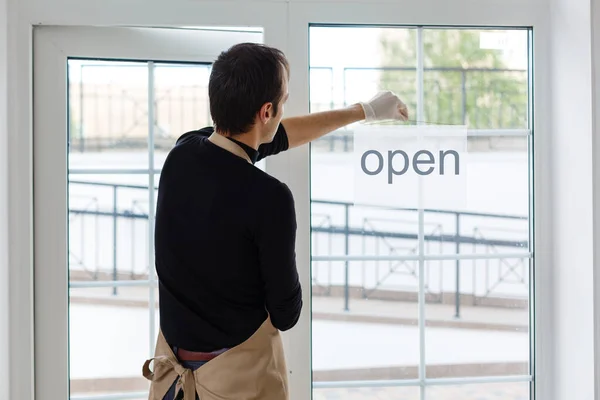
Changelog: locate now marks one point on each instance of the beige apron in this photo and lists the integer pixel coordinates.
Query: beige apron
(255, 369)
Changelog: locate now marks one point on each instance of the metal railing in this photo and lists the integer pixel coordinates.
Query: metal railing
(104, 220)
(401, 247)
(113, 218)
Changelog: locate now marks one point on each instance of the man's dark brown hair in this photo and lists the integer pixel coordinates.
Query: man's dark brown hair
(242, 79)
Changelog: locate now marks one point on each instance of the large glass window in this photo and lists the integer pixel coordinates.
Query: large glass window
(433, 302)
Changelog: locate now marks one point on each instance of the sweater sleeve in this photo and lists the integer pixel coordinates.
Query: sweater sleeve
(276, 239)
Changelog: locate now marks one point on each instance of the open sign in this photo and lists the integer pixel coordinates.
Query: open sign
(415, 167)
(423, 162)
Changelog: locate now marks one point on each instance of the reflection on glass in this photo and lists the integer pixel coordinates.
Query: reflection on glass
(108, 227)
(483, 391)
(476, 78)
(368, 393)
(108, 339)
(108, 114)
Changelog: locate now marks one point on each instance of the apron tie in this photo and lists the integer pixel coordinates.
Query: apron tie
(186, 375)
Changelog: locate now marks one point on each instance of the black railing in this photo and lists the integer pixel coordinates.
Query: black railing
(122, 209)
(345, 229)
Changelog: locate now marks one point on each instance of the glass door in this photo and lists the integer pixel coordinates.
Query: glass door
(438, 300)
(109, 104)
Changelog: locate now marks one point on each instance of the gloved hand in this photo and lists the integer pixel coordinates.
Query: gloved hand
(385, 105)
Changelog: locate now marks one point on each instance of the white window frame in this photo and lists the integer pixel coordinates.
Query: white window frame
(286, 27)
(305, 14)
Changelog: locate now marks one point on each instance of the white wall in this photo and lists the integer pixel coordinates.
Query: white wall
(573, 208)
(595, 23)
(20, 241)
(4, 310)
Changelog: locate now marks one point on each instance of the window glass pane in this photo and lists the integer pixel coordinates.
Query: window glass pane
(475, 77)
(375, 326)
(368, 393)
(181, 98)
(484, 331)
(482, 391)
(498, 286)
(464, 279)
(108, 114)
(108, 241)
(322, 89)
(108, 227)
(343, 291)
(495, 214)
(108, 340)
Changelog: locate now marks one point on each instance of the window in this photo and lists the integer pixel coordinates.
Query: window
(410, 302)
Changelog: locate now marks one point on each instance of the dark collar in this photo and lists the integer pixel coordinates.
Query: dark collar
(253, 154)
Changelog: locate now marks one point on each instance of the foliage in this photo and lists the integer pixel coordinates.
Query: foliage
(463, 84)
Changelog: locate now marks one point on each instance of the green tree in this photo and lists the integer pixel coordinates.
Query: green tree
(463, 83)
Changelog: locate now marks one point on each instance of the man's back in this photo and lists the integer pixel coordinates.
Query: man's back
(225, 234)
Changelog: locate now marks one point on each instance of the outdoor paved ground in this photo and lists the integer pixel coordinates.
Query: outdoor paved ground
(403, 312)
(360, 310)
(97, 314)
(505, 391)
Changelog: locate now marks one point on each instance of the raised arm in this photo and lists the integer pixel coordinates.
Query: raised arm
(306, 128)
(384, 105)
(296, 131)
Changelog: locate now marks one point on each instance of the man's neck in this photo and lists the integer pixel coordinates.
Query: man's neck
(249, 139)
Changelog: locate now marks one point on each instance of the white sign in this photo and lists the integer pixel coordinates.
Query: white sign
(421, 167)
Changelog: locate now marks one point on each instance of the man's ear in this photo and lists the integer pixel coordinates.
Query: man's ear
(266, 112)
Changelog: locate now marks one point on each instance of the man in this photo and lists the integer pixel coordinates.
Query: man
(226, 232)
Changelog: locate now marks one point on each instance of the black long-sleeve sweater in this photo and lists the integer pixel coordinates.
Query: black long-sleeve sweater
(225, 245)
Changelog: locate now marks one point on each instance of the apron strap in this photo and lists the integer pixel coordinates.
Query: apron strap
(186, 375)
(230, 146)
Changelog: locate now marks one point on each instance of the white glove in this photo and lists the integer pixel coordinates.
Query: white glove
(385, 105)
